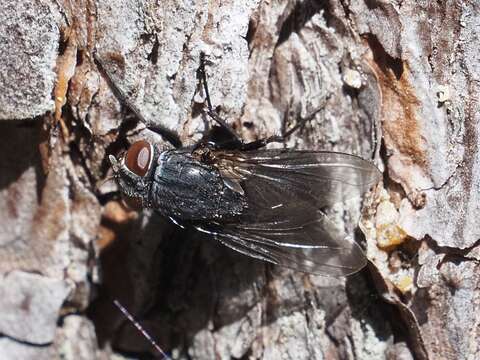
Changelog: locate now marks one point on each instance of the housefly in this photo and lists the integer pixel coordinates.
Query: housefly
(260, 202)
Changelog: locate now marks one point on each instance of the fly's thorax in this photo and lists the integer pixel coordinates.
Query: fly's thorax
(134, 171)
(187, 188)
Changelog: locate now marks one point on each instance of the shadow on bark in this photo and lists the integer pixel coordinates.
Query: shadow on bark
(181, 283)
(19, 151)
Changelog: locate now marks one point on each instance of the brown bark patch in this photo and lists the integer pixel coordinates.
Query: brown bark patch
(398, 105)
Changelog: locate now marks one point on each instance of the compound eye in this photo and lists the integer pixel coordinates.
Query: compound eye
(138, 157)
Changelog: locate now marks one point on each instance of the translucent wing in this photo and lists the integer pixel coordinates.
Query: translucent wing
(284, 191)
(317, 177)
(315, 247)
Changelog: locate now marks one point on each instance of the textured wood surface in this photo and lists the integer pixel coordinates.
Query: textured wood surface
(67, 250)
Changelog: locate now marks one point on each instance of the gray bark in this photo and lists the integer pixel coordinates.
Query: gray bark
(409, 67)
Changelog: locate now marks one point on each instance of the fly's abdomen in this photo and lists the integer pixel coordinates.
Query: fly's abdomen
(189, 190)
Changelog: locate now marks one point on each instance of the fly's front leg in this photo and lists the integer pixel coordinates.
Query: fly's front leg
(166, 134)
(109, 196)
(116, 90)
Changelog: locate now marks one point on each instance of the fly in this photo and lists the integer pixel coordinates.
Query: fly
(260, 202)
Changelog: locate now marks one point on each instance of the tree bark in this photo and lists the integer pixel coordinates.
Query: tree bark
(396, 79)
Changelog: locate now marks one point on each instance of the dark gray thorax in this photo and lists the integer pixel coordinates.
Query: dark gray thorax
(187, 189)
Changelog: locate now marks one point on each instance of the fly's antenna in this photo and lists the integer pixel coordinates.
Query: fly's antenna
(141, 329)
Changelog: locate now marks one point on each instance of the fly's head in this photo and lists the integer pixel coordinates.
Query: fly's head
(133, 171)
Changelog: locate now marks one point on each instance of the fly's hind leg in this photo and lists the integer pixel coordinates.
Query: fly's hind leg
(257, 144)
(224, 136)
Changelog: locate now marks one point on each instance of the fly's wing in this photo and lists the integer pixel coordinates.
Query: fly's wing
(320, 177)
(315, 247)
(284, 191)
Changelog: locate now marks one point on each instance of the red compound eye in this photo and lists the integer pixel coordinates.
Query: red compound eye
(138, 157)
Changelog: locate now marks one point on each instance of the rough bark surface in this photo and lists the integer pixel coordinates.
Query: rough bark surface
(67, 250)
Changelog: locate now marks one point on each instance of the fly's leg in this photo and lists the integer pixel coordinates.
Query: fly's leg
(164, 133)
(230, 139)
(110, 196)
(210, 111)
(116, 90)
(221, 135)
(257, 144)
